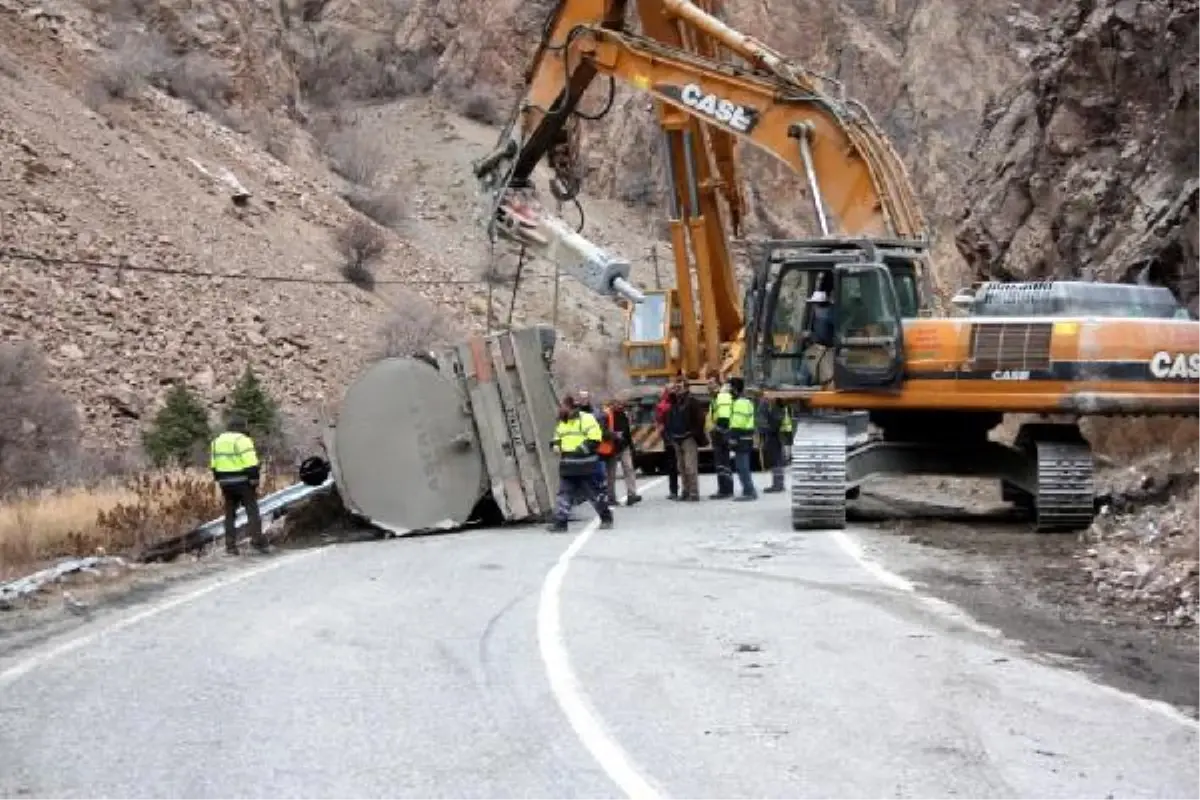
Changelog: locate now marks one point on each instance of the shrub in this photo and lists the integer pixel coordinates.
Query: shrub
(416, 326)
(39, 427)
(339, 66)
(385, 206)
(180, 432)
(252, 402)
(355, 157)
(361, 245)
(201, 80)
(481, 106)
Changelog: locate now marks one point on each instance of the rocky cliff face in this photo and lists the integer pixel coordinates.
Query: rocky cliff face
(927, 70)
(118, 117)
(1089, 166)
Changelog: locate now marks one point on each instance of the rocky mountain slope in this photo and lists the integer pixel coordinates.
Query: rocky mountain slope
(118, 119)
(1090, 166)
(100, 166)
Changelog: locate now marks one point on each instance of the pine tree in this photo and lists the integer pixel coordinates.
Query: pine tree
(252, 402)
(180, 431)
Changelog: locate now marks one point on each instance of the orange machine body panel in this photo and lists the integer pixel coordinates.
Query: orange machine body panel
(1038, 365)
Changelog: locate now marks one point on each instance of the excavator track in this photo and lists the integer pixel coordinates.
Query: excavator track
(819, 475)
(1065, 486)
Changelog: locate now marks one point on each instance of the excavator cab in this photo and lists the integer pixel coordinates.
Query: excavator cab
(648, 336)
(871, 286)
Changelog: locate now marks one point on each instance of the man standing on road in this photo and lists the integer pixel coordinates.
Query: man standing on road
(619, 452)
(234, 464)
(770, 433)
(685, 430)
(741, 437)
(584, 400)
(669, 459)
(576, 438)
(720, 405)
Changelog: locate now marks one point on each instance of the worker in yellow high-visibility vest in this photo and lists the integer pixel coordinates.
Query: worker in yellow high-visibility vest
(741, 437)
(720, 405)
(576, 439)
(234, 463)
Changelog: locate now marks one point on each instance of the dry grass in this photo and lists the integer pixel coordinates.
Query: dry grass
(113, 518)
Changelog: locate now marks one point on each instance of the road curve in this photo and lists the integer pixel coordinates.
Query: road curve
(712, 651)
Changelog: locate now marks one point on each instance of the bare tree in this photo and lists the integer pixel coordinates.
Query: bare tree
(361, 245)
(39, 429)
(416, 326)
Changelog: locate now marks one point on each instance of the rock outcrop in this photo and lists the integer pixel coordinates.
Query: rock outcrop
(1089, 167)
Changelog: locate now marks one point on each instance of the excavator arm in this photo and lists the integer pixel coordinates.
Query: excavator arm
(856, 182)
(861, 185)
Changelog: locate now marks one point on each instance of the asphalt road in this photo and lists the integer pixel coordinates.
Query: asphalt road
(715, 654)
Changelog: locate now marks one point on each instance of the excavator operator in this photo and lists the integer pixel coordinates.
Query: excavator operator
(818, 338)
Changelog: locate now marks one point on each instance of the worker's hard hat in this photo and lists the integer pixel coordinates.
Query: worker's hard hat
(819, 296)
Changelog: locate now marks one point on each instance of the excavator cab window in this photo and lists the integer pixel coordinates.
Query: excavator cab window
(907, 294)
(789, 318)
(648, 321)
(869, 346)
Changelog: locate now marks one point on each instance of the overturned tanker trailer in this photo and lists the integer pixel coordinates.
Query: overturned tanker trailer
(432, 443)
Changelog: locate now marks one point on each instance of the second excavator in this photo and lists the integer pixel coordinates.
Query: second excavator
(932, 388)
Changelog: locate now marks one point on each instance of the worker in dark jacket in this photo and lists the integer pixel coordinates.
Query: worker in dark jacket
(770, 433)
(235, 468)
(685, 430)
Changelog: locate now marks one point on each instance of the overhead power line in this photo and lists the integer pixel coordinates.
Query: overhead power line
(83, 263)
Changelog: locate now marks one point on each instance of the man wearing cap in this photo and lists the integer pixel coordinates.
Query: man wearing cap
(818, 338)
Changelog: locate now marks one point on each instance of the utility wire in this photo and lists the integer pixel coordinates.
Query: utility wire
(23, 255)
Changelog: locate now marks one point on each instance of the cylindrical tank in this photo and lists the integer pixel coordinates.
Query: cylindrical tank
(404, 452)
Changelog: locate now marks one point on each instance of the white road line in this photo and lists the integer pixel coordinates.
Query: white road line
(852, 548)
(30, 663)
(565, 686)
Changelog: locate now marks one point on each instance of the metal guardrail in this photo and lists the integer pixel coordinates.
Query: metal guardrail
(31, 584)
(269, 507)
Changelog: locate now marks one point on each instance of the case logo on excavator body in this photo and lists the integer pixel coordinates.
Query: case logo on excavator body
(1166, 365)
(734, 115)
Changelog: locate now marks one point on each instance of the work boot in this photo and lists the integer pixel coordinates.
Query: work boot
(606, 524)
(719, 496)
(773, 489)
(557, 527)
(633, 498)
(262, 546)
(742, 498)
(692, 498)
(231, 550)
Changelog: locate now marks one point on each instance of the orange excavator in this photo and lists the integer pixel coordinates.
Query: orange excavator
(878, 383)
(706, 99)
